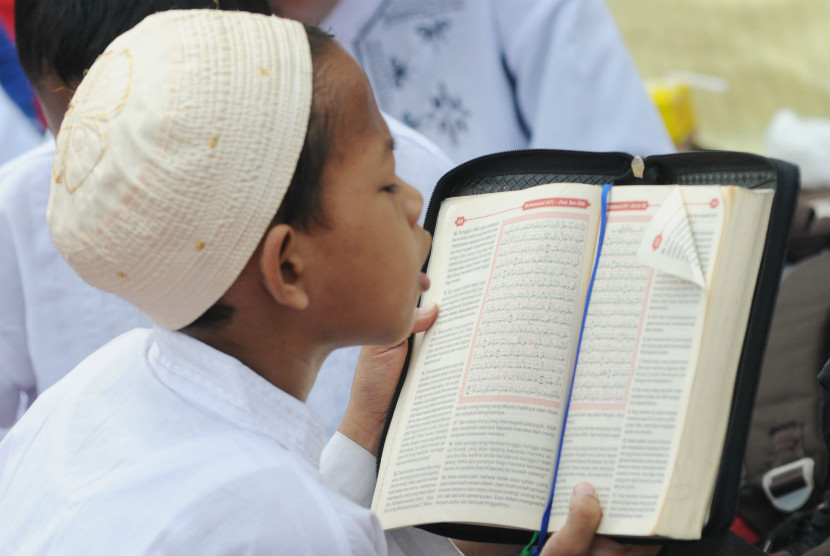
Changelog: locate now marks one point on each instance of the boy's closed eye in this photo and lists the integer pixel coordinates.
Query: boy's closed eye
(391, 188)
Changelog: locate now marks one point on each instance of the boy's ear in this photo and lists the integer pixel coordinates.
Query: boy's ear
(282, 266)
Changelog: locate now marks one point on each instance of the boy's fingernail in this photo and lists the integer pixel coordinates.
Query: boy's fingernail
(584, 489)
(426, 310)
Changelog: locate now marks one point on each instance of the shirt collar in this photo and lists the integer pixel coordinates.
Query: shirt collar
(223, 384)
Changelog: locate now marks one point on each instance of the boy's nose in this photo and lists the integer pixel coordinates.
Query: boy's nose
(414, 202)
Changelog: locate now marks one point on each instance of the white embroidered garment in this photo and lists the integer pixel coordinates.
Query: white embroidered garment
(159, 444)
(483, 76)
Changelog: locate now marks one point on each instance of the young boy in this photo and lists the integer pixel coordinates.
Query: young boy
(50, 318)
(230, 175)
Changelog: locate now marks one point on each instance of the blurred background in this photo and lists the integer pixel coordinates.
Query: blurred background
(740, 61)
(754, 75)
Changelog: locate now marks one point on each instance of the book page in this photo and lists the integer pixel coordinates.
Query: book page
(730, 298)
(477, 425)
(637, 361)
(668, 244)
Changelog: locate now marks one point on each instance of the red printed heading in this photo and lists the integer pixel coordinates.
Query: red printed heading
(556, 202)
(628, 205)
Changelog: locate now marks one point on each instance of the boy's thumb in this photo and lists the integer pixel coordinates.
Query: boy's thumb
(424, 317)
(576, 536)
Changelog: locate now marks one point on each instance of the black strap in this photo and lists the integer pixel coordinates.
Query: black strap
(824, 376)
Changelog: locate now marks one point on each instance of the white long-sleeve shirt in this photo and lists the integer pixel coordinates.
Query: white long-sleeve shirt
(17, 133)
(50, 319)
(159, 444)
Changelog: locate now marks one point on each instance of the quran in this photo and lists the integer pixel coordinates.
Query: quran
(634, 354)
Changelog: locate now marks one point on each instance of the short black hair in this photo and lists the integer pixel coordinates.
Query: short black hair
(64, 37)
(302, 206)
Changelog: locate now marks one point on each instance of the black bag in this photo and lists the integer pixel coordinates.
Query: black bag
(806, 532)
(787, 452)
(521, 169)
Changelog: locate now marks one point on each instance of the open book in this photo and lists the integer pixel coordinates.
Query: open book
(475, 434)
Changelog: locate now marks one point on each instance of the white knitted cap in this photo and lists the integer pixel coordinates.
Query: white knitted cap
(175, 154)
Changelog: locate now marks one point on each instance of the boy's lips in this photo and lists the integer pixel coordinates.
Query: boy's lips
(423, 281)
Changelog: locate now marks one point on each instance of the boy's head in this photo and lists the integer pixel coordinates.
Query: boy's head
(57, 41)
(193, 165)
(307, 11)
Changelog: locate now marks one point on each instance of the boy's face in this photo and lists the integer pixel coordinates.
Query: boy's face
(368, 260)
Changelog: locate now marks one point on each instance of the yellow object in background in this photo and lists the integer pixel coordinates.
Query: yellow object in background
(674, 100)
(773, 54)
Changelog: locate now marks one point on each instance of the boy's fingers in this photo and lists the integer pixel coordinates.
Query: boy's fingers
(577, 534)
(424, 317)
(381, 356)
(607, 547)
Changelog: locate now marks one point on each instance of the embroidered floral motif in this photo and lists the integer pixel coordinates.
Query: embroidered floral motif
(84, 143)
(450, 114)
(434, 32)
(447, 115)
(400, 72)
(412, 121)
(394, 49)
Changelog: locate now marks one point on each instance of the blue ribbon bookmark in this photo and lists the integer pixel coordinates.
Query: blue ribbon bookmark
(542, 533)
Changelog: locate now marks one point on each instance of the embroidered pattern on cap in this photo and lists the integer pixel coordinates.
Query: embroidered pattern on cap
(88, 143)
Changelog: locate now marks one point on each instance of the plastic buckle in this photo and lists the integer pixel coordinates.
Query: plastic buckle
(789, 486)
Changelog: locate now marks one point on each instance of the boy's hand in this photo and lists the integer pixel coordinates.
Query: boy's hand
(578, 536)
(579, 532)
(375, 379)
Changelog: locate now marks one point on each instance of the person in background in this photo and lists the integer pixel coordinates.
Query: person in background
(481, 76)
(230, 175)
(50, 318)
(7, 14)
(20, 125)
